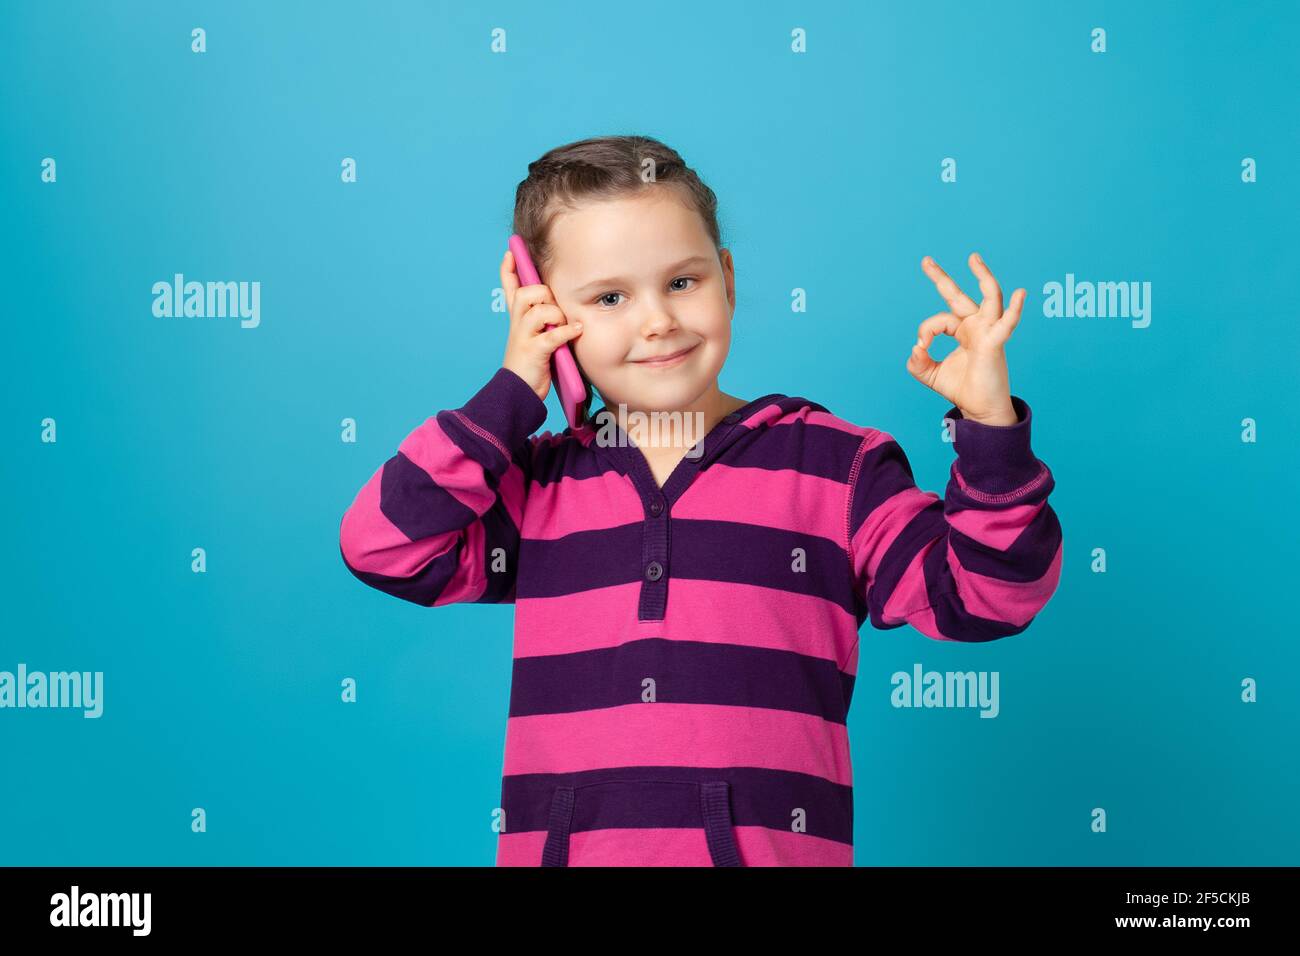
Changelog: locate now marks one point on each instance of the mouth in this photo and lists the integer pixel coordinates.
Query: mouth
(668, 361)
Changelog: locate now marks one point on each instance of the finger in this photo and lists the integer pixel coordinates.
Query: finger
(988, 285)
(1011, 318)
(509, 280)
(942, 322)
(510, 284)
(528, 296)
(561, 334)
(539, 316)
(959, 302)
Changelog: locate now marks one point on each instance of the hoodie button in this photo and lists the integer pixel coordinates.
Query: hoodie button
(656, 507)
(654, 571)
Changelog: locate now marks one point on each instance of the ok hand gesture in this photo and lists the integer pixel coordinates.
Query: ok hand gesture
(974, 375)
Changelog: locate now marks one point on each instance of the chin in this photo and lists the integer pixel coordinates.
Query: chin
(678, 393)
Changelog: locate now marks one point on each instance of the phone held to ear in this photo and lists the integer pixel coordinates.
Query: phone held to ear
(568, 381)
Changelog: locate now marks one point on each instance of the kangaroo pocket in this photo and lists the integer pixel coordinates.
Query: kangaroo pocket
(671, 814)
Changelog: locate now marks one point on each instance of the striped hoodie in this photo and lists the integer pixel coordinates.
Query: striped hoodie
(684, 656)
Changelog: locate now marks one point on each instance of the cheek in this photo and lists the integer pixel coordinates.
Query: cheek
(716, 327)
(597, 347)
(718, 336)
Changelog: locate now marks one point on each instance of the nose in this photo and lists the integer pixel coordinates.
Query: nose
(657, 320)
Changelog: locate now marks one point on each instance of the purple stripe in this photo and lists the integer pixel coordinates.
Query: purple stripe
(885, 471)
(553, 462)
(1026, 559)
(927, 524)
(811, 449)
(684, 672)
(499, 531)
(636, 797)
(815, 450)
(415, 504)
(506, 406)
(951, 616)
(475, 446)
(758, 555)
(959, 500)
(697, 549)
(580, 561)
(423, 588)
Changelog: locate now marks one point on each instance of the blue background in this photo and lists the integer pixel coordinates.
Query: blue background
(222, 689)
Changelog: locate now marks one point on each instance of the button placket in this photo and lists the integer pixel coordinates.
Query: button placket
(654, 585)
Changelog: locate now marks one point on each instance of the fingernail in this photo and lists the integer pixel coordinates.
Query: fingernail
(577, 325)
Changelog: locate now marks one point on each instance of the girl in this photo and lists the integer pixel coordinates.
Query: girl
(687, 609)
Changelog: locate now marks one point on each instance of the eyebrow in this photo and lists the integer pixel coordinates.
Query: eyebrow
(618, 280)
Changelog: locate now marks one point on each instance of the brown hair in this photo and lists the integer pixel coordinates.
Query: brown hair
(602, 167)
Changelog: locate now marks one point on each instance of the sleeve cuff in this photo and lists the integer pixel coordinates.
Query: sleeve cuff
(507, 408)
(995, 459)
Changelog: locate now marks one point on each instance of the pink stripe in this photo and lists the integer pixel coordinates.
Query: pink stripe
(681, 735)
(882, 526)
(365, 531)
(647, 846)
(827, 420)
(607, 501)
(1012, 601)
(995, 528)
(787, 499)
(762, 846)
(768, 414)
(582, 621)
(640, 846)
(373, 544)
(520, 849)
(432, 450)
(510, 489)
(713, 611)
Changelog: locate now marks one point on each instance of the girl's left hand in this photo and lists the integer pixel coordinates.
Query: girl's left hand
(974, 375)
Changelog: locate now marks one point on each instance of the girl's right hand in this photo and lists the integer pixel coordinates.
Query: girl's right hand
(530, 344)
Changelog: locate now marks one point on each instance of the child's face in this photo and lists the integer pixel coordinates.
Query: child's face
(620, 267)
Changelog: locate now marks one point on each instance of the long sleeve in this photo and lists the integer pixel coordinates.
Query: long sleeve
(439, 522)
(975, 565)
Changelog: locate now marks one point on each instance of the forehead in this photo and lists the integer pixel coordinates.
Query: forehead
(609, 236)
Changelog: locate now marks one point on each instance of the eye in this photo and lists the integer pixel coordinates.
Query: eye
(603, 300)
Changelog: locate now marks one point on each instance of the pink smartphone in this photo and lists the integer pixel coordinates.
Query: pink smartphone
(570, 386)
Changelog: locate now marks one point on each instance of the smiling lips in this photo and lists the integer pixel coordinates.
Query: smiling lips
(672, 358)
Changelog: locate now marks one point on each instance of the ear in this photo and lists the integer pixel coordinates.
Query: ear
(729, 277)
